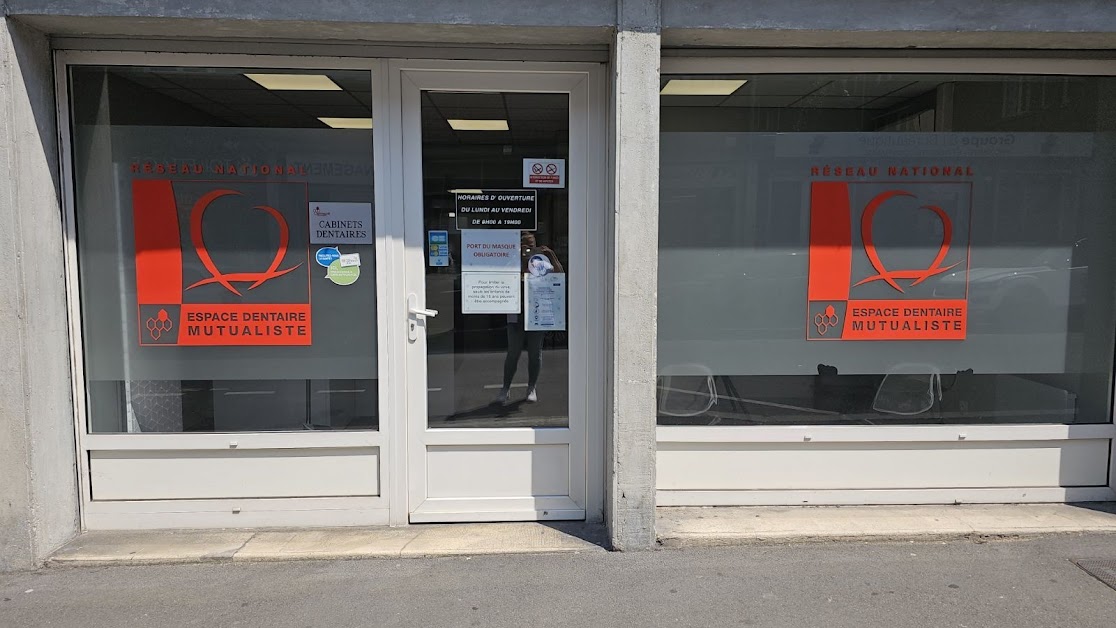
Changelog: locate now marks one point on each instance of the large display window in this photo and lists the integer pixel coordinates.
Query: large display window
(886, 249)
(225, 237)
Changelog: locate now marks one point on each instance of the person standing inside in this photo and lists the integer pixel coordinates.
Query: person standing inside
(538, 260)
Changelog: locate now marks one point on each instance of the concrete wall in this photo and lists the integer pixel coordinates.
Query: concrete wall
(38, 494)
(736, 23)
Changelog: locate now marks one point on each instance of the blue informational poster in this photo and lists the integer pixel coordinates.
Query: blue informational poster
(437, 248)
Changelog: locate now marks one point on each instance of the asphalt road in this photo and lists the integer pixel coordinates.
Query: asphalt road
(1014, 583)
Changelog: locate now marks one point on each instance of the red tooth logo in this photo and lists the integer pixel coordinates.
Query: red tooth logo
(889, 276)
(197, 214)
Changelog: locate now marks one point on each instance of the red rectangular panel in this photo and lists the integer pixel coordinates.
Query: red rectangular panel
(830, 241)
(158, 243)
(244, 324)
(933, 319)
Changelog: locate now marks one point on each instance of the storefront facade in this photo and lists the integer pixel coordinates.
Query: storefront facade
(371, 267)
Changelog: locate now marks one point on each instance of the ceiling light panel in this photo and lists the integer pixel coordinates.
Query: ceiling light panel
(478, 125)
(701, 87)
(348, 123)
(296, 82)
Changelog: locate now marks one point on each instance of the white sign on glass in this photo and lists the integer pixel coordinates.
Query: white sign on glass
(340, 223)
(489, 293)
(544, 302)
(490, 250)
(544, 173)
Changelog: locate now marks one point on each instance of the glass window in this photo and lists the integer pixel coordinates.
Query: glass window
(225, 248)
(498, 351)
(886, 249)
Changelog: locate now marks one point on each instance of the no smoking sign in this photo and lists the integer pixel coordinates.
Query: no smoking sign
(544, 173)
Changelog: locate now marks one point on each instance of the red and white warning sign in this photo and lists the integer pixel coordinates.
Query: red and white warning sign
(544, 173)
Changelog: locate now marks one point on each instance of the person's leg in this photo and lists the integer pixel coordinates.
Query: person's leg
(534, 362)
(511, 359)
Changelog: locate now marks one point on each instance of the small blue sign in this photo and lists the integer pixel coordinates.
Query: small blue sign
(437, 248)
(326, 255)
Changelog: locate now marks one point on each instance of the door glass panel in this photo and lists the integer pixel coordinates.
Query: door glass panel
(496, 222)
(209, 203)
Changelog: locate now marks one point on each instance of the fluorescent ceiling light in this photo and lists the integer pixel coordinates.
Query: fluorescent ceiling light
(296, 82)
(348, 123)
(465, 191)
(701, 87)
(478, 125)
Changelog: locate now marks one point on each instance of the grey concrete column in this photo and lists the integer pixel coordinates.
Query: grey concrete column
(38, 494)
(635, 230)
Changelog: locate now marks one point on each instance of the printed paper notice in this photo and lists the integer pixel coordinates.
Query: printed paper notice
(489, 293)
(340, 223)
(544, 302)
(490, 250)
(438, 248)
(544, 173)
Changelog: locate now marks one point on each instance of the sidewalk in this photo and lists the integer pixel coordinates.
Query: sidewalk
(677, 527)
(740, 525)
(193, 546)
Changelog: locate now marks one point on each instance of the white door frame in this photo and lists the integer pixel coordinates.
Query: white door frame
(586, 175)
(713, 450)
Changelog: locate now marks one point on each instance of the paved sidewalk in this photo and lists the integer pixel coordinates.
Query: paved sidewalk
(677, 527)
(1030, 583)
(189, 546)
(738, 525)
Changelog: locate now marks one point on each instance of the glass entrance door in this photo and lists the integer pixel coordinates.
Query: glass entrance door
(495, 197)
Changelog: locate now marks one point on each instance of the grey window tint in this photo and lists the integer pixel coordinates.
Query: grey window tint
(205, 305)
(1021, 169)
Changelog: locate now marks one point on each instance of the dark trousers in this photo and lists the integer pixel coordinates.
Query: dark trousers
(517, 338)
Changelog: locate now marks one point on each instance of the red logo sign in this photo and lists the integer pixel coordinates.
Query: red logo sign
(190, 291)
(159, 325)
(870, 284)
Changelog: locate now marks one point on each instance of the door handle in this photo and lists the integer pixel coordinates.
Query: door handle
(415, 312)
(413, 308)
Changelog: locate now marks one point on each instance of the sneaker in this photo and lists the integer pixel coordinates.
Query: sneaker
(532, 396)
(502, 398)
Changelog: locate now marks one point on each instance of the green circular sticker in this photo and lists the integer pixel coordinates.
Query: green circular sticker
(342, 275)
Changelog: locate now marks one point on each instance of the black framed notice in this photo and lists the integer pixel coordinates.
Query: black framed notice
(498, 209)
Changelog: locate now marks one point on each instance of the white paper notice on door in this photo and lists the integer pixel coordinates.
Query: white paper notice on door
(490, 293)
(544, 302)
(490, 250)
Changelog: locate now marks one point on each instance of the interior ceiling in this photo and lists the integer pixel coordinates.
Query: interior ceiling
(236, 100)
(814, 92)
(240, 101)
(532, 118)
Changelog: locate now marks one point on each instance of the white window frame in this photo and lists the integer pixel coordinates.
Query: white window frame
(247, 512)
(679, 438)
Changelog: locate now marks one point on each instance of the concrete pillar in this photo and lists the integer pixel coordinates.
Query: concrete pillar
(635, 229)
(38, 493)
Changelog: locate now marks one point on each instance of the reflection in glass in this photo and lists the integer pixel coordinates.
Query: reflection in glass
(202, 198)
(1030, 162)
(493, 368)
